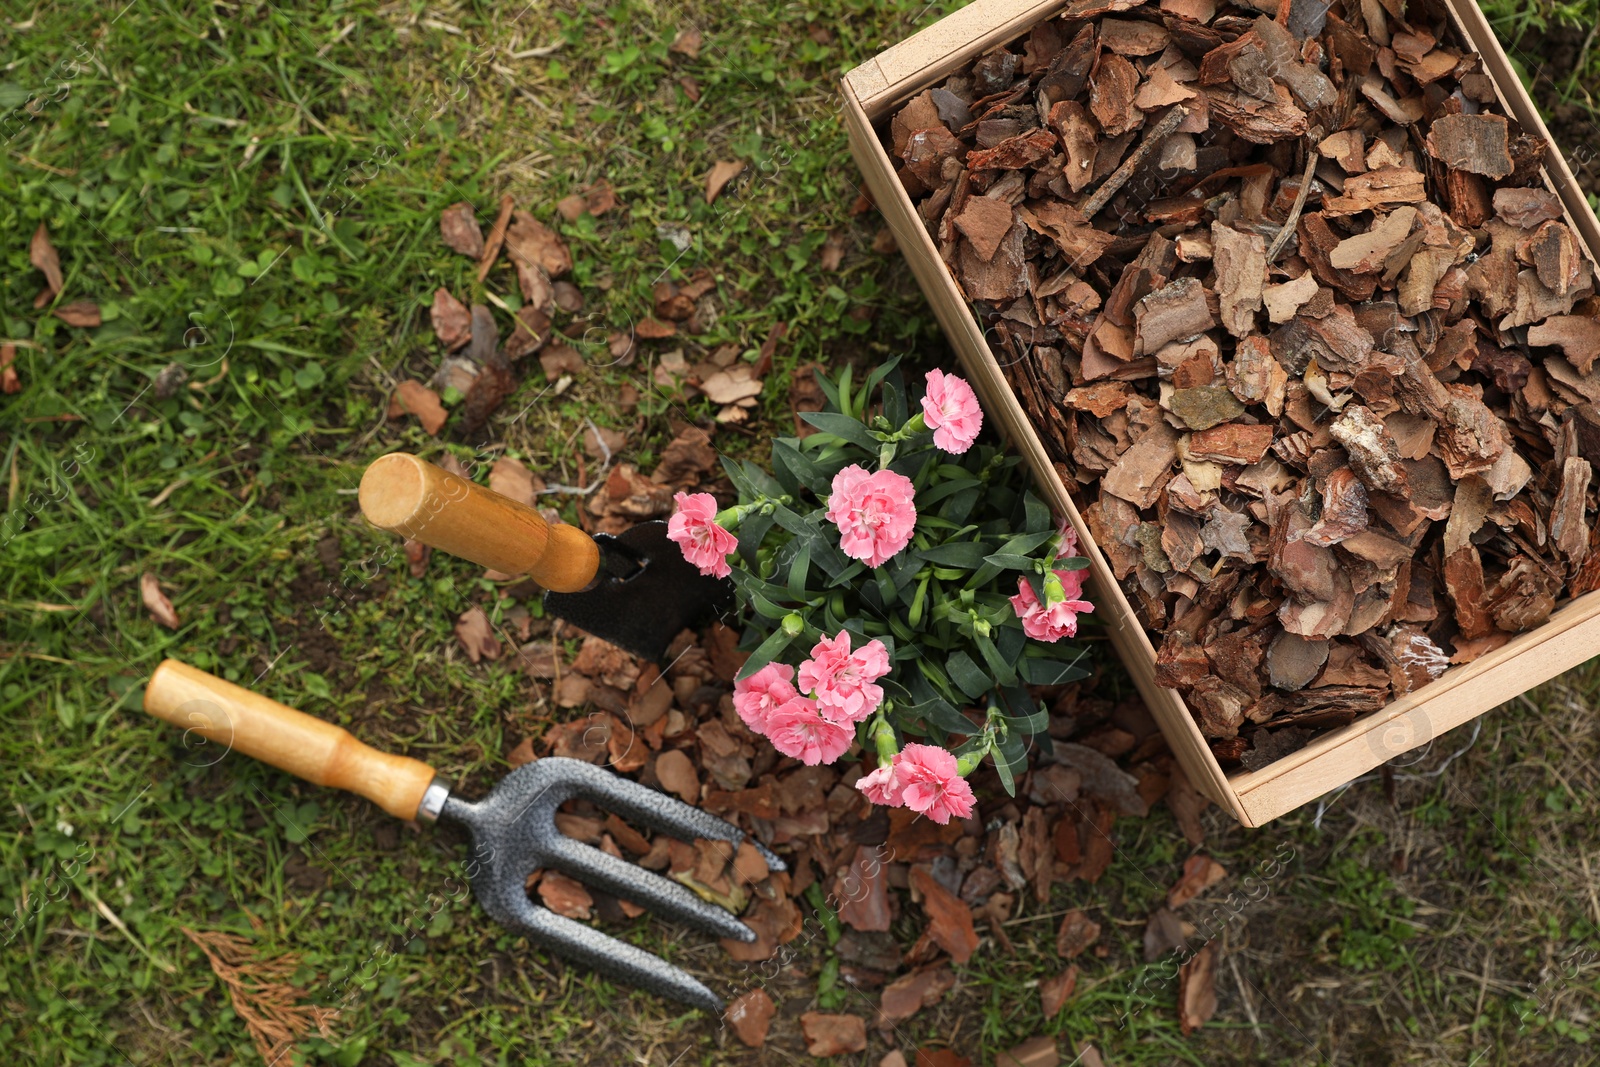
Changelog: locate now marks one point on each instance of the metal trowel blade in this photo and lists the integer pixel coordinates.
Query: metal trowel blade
(645, 595)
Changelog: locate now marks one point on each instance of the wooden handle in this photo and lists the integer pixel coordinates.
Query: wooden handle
(290, 740)
(413, 498)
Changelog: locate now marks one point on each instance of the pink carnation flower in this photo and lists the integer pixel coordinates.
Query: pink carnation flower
(842, 680)
(875, 513)
(881, 786)
(703, 543)
(1067, 540)
(1051, 622)
(798, 729)
(758, 696)
(930, 784)
(950, 408)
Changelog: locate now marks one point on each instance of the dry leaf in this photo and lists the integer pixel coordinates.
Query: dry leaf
(42, 254)
(458, 225)
(1200, 872)
(1197, 995)
(687, 459)
(452, 322)
(83, 313)
(1055, 992)
(1034, 1052)
(417, 399)
(564, 896)
(832, 255)
(910, 993)
(730, 386)
(750, 1016)
(510, 478)
(864, 893)
(529, 239)
(476, 635)
(520, 754)
(949, 918)
(687, 43)
(676, 774)
(1077, 933)
(599, 198)
(156, 602)
(722, 172)
(10, 383)
(833, 1035)
(488, 390)
(559, 359)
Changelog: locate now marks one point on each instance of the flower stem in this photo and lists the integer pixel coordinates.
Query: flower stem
(730, 518)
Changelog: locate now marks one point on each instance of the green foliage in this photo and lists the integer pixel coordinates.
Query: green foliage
(1374, 914)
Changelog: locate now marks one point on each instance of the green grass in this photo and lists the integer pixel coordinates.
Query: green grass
(254, 195)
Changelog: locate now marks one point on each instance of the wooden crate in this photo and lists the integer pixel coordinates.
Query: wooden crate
(1571, 635)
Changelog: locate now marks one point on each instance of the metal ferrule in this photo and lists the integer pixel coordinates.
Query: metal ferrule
(433, 799)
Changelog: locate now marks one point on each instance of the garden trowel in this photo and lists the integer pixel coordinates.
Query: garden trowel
(635, 589)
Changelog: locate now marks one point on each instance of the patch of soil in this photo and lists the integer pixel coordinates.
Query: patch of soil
(1553, 54)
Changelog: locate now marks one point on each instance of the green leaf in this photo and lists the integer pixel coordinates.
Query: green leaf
(1010, 561)
(765, 484)
(1003, 672)
(802, 468)
(1027, 543)
(766, 652)
(1037, 670)
(944, 488)
(799, 570)
(1010, 639)
(848, 575)
(1036, 515)
(967, 676)
(895, 402)
(765, 607)
(1026, 716)
(791, 521)
(959, 507)
(968, 555)
(753, 531)
(1010, 759)
(309, 377)
(886, 588)
(843, 426)
(879, 373)
(1003, 770)
(830, 388)
(740, 478)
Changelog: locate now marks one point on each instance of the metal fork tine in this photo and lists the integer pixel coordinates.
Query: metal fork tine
(606, 955)
(645, 888)
(667, 814)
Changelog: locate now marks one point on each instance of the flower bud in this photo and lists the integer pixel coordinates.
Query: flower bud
(793, 624)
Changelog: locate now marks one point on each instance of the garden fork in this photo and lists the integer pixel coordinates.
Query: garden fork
(513, 829)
